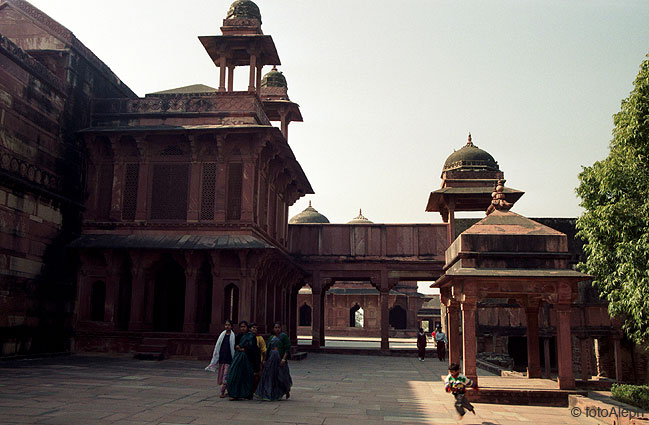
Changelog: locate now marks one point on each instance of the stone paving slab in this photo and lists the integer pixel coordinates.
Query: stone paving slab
(328, 389)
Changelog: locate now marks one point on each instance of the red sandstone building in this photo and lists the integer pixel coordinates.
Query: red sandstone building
(174, 208)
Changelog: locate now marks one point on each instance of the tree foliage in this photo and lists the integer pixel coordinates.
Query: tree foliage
(615, 225)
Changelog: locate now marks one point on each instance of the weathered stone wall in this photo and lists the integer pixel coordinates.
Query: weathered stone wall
(47, 79)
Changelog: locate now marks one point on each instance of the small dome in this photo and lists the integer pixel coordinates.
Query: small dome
(361, 219)
(244, 9)
(309, 215)
(470, 157)
(274, 78)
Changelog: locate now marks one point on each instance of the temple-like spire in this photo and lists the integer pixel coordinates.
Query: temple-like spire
(498, 201)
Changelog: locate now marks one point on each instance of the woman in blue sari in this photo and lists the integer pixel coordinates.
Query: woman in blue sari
(276, 379)
(246, 356)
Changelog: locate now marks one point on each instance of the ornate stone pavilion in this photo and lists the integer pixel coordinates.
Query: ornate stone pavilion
(140, 224)
(186, 218)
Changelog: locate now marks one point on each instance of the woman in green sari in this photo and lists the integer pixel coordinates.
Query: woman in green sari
(241, 373)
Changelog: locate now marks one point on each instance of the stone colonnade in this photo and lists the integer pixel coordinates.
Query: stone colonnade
(243, 285)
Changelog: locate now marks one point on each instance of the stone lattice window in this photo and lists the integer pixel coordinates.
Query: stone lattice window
(208, 192)
(130, 191)
(235, 181)
(169, 192)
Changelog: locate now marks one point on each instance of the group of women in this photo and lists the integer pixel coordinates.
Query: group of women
(247, 366)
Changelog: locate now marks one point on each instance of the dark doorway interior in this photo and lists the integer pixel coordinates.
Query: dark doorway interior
(124, 297)
(305, 315)
(398, 317)
(169, 297)
(517, 350)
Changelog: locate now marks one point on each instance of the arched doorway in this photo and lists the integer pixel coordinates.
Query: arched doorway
(305, 315)
(398, 317)
(169, 297)
(231, 298)
(356, 317)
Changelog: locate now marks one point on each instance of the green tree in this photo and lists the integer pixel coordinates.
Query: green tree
(615, 225)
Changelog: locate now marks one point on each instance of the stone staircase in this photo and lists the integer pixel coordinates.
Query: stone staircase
(152, 348)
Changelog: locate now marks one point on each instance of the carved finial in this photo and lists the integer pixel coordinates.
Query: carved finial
(310, 203)
(360, 212)
(498, 201)
(274, 68)
(469, 142)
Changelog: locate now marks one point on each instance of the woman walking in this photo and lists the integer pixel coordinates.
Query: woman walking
(222, 356)
(422, 342)
(442, 342)
(245, 362)
(276, 379)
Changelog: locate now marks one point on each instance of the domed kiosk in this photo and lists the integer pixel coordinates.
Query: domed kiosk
(469, 176)
(360, 219)
(274, 94)
(309, 216)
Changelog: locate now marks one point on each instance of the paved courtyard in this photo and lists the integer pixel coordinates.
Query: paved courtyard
(328, 389)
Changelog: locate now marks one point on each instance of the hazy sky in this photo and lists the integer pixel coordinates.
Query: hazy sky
(388, 89)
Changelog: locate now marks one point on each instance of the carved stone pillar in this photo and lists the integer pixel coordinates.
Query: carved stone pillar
(253, 69)
(546, 357)
(293, 316)
(385, 318)
(191, 291)
(469, 344)
(453, 335)
(318, 312)
(586, 349)
(564, 347)
(222, 68)
(617, 353)
(113, 264)
(230, 78)
(533, 355)
(217, 320)
(138, 292)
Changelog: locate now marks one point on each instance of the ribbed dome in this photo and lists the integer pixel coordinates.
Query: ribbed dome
(470, 157)
(274, 78)
(309, 215)
(244, 9)
(361, 219)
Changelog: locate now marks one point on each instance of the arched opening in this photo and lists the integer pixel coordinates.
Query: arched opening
(356, 317)
(97, 301)
(169, 297)
(124, 296)
(305, 315)
(204, 299)
(231, 298)
(398, 317)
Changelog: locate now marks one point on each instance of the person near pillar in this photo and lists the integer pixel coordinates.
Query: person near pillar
(456, 384)
(222, 356)
(441, 343)
(245, 362)
(276, 379)
(422, 342)
(261, 344)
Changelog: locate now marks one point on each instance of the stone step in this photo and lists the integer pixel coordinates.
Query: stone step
(156, 355)
(296, 357)
(523, 397)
